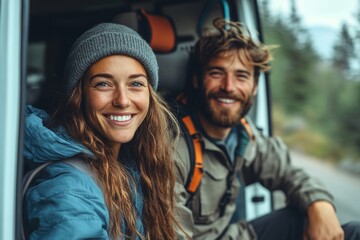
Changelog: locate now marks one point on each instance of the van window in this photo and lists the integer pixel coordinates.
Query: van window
(315, 92)
(35, 72)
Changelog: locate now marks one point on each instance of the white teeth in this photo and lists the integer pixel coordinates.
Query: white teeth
(120, 118)
(226, 100)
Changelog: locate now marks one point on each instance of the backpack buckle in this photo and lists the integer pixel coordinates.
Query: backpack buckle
(224, 201)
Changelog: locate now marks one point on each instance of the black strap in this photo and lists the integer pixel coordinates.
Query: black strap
(30, 176)
(227, 195)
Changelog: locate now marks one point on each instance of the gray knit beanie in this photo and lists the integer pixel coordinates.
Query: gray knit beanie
(104, 40)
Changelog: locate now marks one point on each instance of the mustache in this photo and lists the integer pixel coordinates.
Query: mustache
(237, 97)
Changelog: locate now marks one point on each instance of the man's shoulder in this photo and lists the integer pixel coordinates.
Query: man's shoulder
(182, 159)
(253, 130)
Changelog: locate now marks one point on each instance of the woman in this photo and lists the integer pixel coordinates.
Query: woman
(113, 120)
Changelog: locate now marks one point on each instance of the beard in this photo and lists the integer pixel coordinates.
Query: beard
(223, 117)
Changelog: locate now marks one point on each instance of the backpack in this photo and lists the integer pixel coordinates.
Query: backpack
(194, 142)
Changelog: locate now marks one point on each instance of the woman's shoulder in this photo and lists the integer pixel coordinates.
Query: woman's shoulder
(64, 195)
(61, 178)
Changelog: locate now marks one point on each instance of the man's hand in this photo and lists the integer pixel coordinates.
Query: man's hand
(323, 223)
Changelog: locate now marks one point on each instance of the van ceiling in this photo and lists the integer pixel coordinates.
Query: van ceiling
(68, 18)
(46, 7)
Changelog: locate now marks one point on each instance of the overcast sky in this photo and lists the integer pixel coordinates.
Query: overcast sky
(330, 13)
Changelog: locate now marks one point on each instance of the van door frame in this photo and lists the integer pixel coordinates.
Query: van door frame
(13, 45)
(259, 200)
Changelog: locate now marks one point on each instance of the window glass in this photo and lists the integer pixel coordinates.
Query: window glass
(36, 71)
(315, 90)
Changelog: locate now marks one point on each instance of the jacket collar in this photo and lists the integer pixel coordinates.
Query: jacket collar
(43, 144)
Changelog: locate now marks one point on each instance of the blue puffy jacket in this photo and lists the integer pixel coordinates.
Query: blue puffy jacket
(65, 202)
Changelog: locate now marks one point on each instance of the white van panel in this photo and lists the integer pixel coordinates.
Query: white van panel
(10, 27)
(247, 15)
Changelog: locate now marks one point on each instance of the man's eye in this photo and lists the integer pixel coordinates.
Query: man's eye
(242, 77)
(215, 74)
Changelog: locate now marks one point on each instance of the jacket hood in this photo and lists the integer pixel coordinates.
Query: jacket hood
(43, 144)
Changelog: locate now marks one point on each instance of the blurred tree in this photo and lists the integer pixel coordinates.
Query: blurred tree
(295, 60)
(265, 14)
(344, 50)
(306, 86)
(348, 118)
(357, 37)
(295, 19)
(346, 98)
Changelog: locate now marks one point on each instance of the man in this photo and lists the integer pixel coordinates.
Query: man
(223, 83)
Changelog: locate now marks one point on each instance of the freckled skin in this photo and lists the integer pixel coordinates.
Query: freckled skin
(112, 89)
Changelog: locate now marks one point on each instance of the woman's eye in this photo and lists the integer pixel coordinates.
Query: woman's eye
(102, 84)
(137, 84)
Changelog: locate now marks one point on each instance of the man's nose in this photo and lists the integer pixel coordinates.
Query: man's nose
(228, 83)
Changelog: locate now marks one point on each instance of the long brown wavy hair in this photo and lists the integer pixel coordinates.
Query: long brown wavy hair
(150, 148)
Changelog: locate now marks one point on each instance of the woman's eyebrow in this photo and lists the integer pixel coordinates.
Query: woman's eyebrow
(138, 75)
(102, 75)
(110, 76)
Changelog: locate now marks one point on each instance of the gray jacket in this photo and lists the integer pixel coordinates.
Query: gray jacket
(263, 159)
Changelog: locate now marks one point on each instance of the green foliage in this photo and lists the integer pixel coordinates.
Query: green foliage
(306, 87)
(357, 37)
(349, 115)
(344, 50)
(293, 85)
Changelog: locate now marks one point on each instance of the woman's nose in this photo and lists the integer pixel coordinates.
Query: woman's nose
(121, 98)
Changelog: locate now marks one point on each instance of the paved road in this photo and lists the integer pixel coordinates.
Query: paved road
(344, 186)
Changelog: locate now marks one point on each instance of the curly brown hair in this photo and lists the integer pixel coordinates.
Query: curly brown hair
(151, 150)
(228, 36)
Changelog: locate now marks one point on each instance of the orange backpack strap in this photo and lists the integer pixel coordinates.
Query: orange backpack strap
(193, 139)
(247, 128)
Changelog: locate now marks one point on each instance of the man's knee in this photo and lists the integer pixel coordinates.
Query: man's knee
(352, 230)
